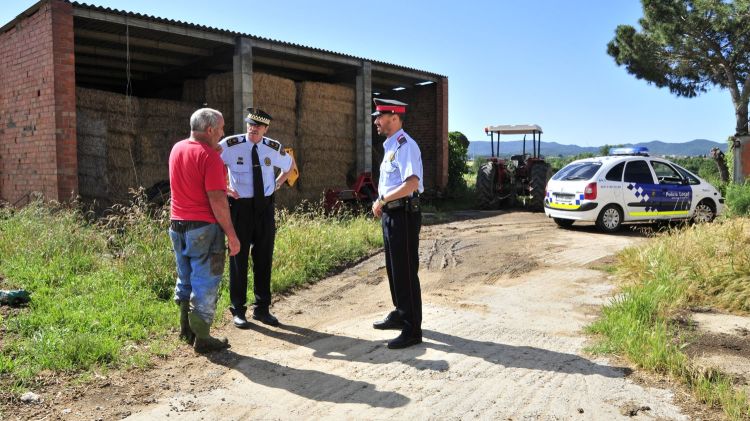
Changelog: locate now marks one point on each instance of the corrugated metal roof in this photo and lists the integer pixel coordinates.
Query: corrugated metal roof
(233, 33)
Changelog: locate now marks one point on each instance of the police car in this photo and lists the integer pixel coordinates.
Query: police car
(628, 186)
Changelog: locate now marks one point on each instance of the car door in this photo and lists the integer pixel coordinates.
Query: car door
(674, 195)
(611, 185)
(639, 189)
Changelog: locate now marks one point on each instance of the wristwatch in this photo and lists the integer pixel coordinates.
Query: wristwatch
(381, 200)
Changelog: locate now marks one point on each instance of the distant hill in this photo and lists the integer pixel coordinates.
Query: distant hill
(693, 148)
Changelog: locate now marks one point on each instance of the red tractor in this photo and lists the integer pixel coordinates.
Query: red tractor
(501, 182)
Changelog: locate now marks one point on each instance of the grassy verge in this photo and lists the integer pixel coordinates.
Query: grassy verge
(101, 291)
(702, 265)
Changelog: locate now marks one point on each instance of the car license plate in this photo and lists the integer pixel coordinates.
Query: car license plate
(564, 197)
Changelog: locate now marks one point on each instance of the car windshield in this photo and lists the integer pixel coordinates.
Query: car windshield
(578, 171)
(692, 178)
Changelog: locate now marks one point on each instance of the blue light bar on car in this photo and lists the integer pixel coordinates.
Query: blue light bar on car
(634, 150)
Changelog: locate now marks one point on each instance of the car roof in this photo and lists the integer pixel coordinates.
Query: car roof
(612, 160)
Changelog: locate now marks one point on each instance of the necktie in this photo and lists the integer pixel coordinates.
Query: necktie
(257, 181)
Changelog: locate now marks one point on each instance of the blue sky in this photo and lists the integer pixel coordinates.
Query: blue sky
(507, 62)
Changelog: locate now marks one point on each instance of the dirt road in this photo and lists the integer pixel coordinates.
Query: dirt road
(505, 299)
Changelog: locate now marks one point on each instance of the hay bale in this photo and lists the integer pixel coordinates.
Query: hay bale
(194, 91)
(278, 97)
(220, 95)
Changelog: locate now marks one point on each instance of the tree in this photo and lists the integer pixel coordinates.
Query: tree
(458, 146)
(688, 46)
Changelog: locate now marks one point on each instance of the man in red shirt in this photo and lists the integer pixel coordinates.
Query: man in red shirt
(199, 220)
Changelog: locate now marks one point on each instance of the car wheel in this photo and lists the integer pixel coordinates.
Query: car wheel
(563, 223)
(610, 219)
(704, 212)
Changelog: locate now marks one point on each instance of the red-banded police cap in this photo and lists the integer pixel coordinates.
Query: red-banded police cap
(388, 106)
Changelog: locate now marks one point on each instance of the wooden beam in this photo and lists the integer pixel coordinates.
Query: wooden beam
(134, 55)
(415, 76)
(296, 65)
(101, 81)
(305, 52)
(151, 24)
(118, 64)
(108, 73)
(141, 42)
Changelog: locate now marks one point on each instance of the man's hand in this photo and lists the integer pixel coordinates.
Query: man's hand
(234, 245)
(233, 193)
(377, 208)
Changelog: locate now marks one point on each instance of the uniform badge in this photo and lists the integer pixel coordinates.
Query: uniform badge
(236, 140)
(272, 143)
(240, 161)
(392, 156)
(267, 161)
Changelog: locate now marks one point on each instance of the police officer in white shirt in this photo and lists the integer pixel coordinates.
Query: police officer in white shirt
(251, 159)
(398, 207)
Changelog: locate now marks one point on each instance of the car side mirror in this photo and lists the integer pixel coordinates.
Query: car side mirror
(685, 182)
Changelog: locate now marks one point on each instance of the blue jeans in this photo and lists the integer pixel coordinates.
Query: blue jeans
(200, 255)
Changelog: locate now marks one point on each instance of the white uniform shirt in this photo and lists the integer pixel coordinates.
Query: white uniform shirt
(236, 151)
(401, 160)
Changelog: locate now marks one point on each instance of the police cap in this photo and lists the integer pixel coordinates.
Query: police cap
(258, 116)
(388, 106)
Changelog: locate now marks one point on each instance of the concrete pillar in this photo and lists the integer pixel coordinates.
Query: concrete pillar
(441, 111)
(243, 81)
(364, 118)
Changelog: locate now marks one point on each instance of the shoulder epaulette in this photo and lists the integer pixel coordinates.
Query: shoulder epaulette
(401, 139)
(235, 140)
(272, 144)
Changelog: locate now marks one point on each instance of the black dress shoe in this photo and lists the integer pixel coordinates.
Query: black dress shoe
(241, 322)
(389, 323)
(266, 318)
(404, 340)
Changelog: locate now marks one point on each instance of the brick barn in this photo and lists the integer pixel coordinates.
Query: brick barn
(92, 100)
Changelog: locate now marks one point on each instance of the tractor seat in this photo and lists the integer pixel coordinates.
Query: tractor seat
(519, 158)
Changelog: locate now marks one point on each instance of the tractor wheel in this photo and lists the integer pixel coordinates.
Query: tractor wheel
(540, 174)
(486, 198)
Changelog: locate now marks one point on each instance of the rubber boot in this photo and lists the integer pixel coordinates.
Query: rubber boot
(204, 342)
(186, 334)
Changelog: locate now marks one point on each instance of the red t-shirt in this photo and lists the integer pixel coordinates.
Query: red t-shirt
(194, 169)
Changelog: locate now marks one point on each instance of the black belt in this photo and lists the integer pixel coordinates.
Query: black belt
(410, 203)
(184, 226)
(252, 199)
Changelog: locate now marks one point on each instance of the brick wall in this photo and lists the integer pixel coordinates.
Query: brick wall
(427, 123)
(37, 106)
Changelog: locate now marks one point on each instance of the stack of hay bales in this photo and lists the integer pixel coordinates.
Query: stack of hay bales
(220, 96)
(326, 131)
(106, 124)
(278, 97)
(91, 131)
(162, 124)
(194, 91)
(124, 142)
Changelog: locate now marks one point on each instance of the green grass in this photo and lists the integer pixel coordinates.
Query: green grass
(101, 289)
(701, 265)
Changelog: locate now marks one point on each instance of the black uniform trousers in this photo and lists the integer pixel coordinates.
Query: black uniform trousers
(256, 229)
(401, 239)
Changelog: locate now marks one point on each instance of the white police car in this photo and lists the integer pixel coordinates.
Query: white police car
(628, 186)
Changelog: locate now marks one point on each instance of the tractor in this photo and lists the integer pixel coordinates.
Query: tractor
(502, 182)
